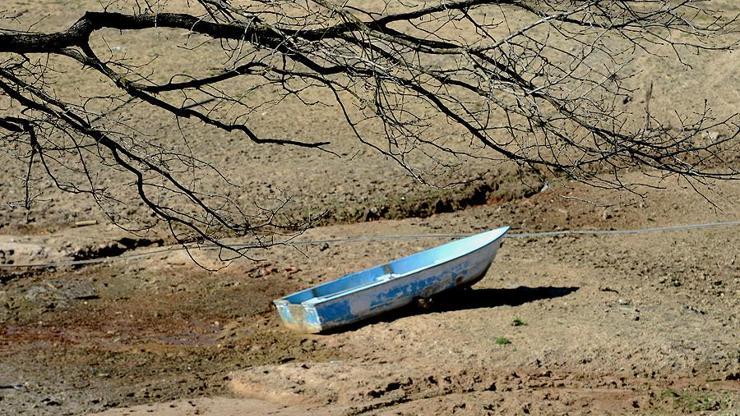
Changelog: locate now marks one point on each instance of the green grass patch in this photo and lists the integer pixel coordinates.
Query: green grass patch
(503, 341)
(518, 322)
(698, 401)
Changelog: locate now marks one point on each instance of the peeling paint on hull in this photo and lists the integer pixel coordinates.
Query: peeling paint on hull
(361, 295)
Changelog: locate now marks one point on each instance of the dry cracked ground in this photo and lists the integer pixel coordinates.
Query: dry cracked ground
(579, 324)
(625, 324)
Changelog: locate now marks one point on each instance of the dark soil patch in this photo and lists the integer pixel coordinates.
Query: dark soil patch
(137, 334)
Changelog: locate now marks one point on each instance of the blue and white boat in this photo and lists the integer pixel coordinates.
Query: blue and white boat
(367, 293)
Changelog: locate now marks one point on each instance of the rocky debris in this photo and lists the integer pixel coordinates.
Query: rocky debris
(55, 250)
(353, 383)
(16, 250)
(6, 256)
(112, 248)
(492, 189)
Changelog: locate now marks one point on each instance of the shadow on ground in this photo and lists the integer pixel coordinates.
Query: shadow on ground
(467, 298)
(490, 298)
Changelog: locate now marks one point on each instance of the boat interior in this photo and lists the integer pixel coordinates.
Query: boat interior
(395, 269)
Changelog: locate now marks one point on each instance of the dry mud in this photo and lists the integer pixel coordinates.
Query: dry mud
(630, 324)
(353, 183)
(634, 324)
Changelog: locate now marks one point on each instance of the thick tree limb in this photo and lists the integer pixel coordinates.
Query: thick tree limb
(543, 89)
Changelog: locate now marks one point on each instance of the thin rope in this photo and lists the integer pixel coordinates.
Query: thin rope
(383, 237)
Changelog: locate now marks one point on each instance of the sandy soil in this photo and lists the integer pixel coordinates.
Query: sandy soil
(643, 324)
(632, 324)
(354, 184)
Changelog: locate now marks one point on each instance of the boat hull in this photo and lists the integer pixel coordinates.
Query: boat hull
(362, 295)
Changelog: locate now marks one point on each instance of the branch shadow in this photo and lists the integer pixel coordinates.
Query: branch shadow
(464, 299)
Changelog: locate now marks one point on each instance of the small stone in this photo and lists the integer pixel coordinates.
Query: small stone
(605, 215)
(51, 402)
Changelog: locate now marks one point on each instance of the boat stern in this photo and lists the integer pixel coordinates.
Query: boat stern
(298, 317)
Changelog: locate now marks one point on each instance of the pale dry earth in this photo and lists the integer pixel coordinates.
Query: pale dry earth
(637, 324)
(355, 183)
(633, 324)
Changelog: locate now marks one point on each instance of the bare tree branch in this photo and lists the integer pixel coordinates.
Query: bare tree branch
(543, 84)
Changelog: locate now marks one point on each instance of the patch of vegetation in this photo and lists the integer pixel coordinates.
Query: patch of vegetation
(669, 393)
(698, 401)
(518, 322)
(503, 341)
